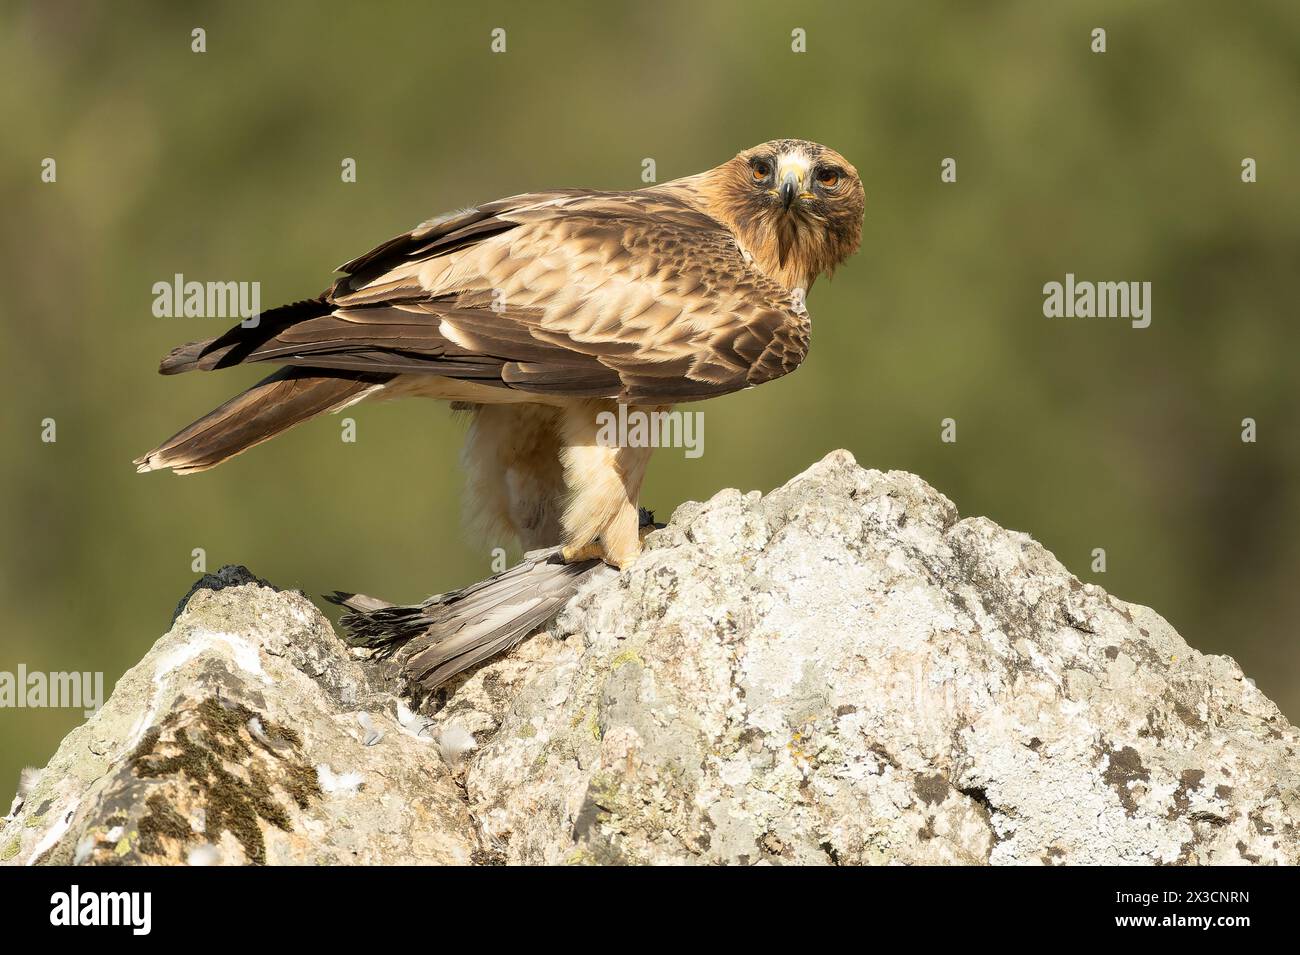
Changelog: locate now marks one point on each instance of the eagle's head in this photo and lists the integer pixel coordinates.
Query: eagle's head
(795, 206)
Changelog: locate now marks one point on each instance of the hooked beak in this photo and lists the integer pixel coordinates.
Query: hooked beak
(788, 190)
(791, 170)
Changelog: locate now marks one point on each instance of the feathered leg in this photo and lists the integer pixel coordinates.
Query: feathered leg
(604, 483)
(514, 455)
(514, 483)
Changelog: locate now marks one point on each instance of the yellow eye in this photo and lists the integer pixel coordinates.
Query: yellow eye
(761, 170)
(828, 178)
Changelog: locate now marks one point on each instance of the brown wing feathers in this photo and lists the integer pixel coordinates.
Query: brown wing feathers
(634, 296)
(235, 345)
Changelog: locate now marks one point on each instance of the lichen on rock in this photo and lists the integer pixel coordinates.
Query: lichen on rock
(841, 671)
(209, 749)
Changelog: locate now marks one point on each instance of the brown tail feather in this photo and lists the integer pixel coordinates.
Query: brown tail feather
(273, 405)
(183, 357)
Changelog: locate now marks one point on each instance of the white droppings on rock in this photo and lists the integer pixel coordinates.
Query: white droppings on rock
(242, 652)
(54, 833)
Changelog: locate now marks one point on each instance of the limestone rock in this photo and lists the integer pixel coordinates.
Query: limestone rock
(844, 672)
(246, 735)
(841, 671)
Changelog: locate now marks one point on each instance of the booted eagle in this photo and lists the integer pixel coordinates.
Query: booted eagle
(538, 312)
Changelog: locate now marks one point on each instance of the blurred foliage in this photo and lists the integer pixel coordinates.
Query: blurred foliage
(225, 165)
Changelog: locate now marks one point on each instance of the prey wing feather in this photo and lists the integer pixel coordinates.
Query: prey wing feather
(433, 641)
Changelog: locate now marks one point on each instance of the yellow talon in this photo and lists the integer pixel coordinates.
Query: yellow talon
(576, 555)
(595, 550)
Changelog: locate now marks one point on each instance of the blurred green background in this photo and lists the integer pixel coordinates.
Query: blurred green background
(226, 166)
